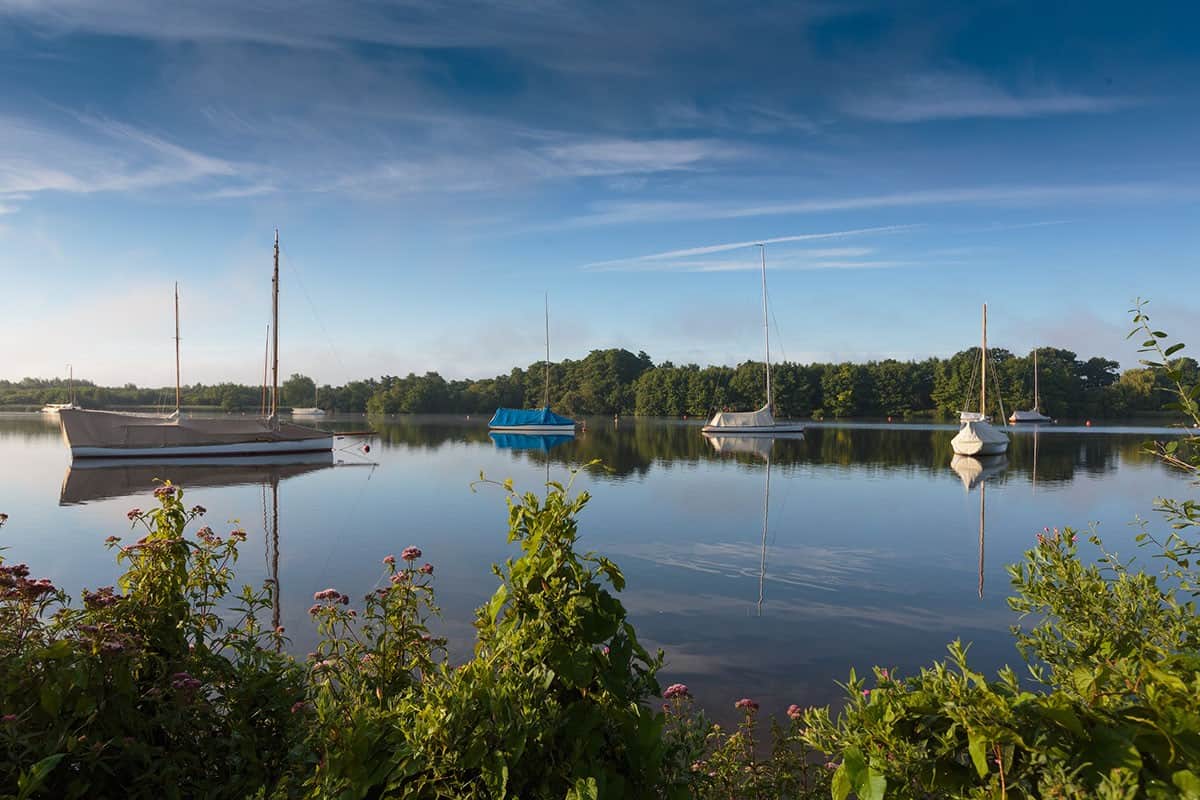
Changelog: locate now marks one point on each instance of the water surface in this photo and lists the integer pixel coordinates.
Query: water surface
(872, 550)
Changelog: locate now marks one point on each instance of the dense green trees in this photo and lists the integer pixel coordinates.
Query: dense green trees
(616, 381)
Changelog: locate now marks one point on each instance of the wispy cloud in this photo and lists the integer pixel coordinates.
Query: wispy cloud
(944, 95)
(684, 259)
(1019, 196)
(94, 155)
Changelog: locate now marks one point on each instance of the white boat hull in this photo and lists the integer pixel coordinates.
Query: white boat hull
(308, 412)
(979, 439)
(752, 430)
(533, 428)
(1029, 416)
(231, 449)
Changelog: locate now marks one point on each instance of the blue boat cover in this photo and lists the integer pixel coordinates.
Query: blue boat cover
(530, 441)
(511, 417)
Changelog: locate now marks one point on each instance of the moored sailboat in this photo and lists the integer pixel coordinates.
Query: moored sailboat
(1034, 414)
(760, 422)
(977, 436)
(92, 434)
(534, 420)
(57, 408)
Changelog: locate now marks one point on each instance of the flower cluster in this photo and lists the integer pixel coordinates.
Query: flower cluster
(164, 491)
(103, 597)
(332, 595)
(411, 553)
(676, 690)
(794, 712)
(746, 704)
(184, 681)
(15, 584)
(133, 514)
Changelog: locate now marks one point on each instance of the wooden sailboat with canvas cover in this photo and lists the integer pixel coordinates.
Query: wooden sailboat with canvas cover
(977, 437)
(108, 434)
(761, 422)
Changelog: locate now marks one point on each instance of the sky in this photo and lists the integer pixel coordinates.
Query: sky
(436, 168)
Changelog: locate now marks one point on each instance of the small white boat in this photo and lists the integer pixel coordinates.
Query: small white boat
(55, 408)
(977, 436)
(312, 411)
(1034, 414)
(761, 422)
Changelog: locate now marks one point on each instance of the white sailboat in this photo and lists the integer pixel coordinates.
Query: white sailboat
(977, 436)
(315, 410)
(101, 434)
(1034, 414)
(761, 422)
(56, 408)
(535, 421)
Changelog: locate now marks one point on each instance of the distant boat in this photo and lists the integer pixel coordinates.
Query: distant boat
(99, 434)
(57, 408)
(314, 411)
(762, 421)
(1035, 414)
(534, 420)
(977, 436)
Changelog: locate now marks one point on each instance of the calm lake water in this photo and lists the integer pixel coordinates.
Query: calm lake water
(872, 552)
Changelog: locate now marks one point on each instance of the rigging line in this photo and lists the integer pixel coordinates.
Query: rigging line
(312, 306)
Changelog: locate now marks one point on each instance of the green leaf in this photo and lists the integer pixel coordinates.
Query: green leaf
(841, 783)
(977, 744)
(1187, 783)
(1175, 348)
(29, 782)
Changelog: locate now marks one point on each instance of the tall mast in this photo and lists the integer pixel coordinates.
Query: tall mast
(275, 336)
(766, 326)
(546, 402)
(177, 391)
(1037, 403)
(983, 373)
(71, 384)
(266, 357)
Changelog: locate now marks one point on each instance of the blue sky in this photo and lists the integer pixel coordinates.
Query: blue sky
(435, 167)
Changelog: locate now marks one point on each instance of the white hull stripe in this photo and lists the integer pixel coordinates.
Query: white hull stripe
(238, 448)
(534, 428)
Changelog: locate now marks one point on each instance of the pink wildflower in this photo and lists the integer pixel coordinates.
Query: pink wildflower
(676, 690)
(411, 553)
(427, 569)
(8, 718)
(133, 513)
(747, 704)
(298, 706)
(390, 560)
(794, 711)
(866, 692)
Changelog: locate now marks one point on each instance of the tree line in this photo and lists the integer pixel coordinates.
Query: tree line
(617, 381)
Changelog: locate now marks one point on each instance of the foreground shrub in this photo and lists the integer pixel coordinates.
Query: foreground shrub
(145, 690)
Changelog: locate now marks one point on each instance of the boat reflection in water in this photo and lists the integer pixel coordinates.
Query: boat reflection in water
(976, 472)
(760, 446)
(542, 442)
(94, 479)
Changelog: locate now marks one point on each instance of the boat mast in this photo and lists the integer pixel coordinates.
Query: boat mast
(275, 337)
(546, 402)
(262, 409)
(983, 373)
(1037, 403)
(177, 391)
(766, 327)
(71, 385)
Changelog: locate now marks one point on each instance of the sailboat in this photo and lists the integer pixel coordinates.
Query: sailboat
(534, 420)
(761, 422)
(977, 436)
(1034, 414)
(56, 408)
(315, 410)
(103, 434)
